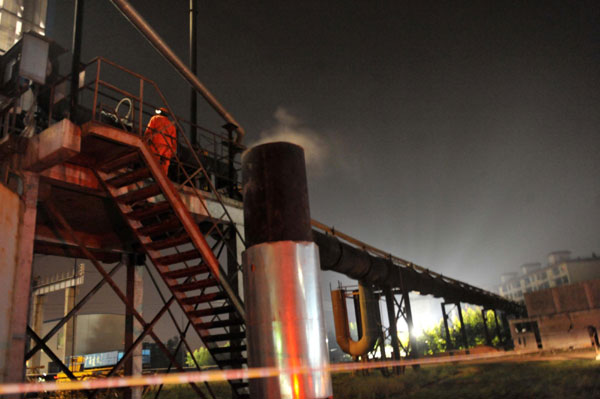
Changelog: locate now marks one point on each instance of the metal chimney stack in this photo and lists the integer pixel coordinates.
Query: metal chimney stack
(284, 316)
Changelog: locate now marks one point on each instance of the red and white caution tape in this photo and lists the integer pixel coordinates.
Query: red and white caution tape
(223, 375)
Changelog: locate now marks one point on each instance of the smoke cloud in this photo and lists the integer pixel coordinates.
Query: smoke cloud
(289, 127)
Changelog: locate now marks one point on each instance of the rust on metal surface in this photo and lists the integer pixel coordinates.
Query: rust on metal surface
(55, 145)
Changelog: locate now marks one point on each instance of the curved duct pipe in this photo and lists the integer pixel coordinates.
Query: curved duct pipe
(368, 316)
(159, 44)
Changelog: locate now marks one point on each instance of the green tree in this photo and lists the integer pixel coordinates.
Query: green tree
(202, 356)
(434, 340)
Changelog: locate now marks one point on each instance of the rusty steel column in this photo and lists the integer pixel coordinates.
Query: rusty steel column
(284, 316)
(449, 344)
(15, 367)
(135, 295)
(486, 331)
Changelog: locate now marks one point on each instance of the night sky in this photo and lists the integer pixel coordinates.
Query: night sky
(463, 136)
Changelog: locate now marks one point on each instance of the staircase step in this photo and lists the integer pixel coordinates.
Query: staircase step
(120, 162)
(195, 285)
(224, 337)
(138, 195)
(228, 349)
(169, 242)
(186, 272)
(178, 258)
(149, 211)
(215, 296)
(129, 177)
(231, 362)
(218, 324)
(161, 227)
(211, 311)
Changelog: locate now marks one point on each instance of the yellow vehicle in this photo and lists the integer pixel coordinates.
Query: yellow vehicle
(77, 367)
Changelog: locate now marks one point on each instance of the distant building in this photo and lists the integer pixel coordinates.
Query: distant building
(18, 17)
(559, 317)
(560, 270)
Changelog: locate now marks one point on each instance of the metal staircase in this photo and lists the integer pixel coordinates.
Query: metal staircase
(176, 244)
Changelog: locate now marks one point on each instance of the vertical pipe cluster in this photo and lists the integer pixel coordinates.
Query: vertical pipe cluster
(284, 317)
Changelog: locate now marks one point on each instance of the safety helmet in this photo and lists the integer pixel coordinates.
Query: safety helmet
(162, 111)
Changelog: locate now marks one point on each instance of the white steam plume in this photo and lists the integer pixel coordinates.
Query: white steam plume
(291, 129)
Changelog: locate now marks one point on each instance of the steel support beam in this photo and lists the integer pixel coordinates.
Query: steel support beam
(412, 339)
(498, 331)
(72, 313)
(449, 343)
(391, 313)
(133, 329)
(37, 319)
(15, 367)
(60, 220)
(463, 330)
(193, 69)
(76, 60)
(486, 331)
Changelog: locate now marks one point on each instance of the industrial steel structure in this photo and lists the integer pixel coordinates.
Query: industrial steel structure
(85, 184)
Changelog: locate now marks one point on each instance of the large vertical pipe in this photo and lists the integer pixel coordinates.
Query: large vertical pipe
(284, 316)
(76, 60)
(193, 69)
(449, 344)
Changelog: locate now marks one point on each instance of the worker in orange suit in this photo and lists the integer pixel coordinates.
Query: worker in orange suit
(161, 136)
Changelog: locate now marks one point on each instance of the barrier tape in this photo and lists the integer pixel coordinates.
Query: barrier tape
(232, 374)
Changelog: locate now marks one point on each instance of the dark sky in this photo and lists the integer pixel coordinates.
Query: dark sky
(463, 136)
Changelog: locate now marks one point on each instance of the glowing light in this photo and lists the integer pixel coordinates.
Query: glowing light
(296, 386)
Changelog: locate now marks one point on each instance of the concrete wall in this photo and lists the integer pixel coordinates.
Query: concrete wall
(566, 298)
(10, 207)
(568, 330)
(563, 314)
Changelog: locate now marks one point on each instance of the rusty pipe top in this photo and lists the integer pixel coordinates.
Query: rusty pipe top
(159, 45)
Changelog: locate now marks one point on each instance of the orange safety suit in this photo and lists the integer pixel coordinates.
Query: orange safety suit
(161, 136)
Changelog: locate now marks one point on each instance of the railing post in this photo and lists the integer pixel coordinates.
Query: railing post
(140, 132)
(96, 89)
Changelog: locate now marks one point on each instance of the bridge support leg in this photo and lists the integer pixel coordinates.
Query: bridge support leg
(486, 331)
(498, 331)
(463, 330)
(133, 329)
(449, 344)
(412, 338)
(391, 313)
